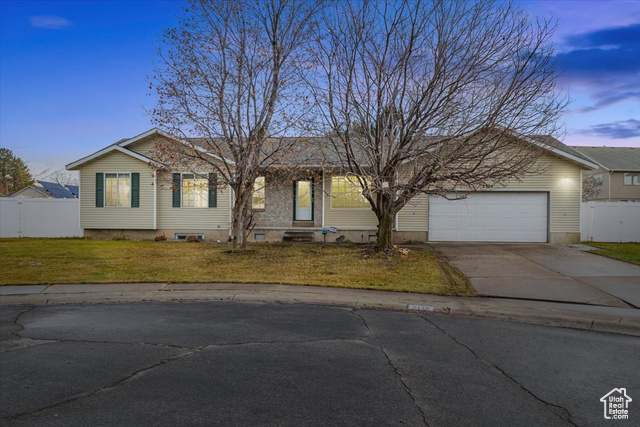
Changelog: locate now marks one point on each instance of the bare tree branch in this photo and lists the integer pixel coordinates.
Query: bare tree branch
(229, 87)
(433, 97)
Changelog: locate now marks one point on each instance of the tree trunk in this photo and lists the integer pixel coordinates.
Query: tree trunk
(240, 219)
(385, 228)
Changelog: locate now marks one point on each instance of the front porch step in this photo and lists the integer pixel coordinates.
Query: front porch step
(298, 236)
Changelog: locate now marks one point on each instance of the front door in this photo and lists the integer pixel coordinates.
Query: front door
(303, 201)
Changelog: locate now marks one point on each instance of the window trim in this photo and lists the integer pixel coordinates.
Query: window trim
(206, 175)
(104, 189)
(349, 209)
(632, 175)
(264, 191)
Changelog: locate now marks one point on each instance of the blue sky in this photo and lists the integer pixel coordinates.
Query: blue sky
(73, 74)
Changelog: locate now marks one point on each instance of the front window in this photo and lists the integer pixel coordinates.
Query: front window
(195, 189)
(346, 193)
(630, 179)
(117, 189)
(258, 200)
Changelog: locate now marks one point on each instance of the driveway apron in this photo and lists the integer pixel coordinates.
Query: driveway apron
(542, 271)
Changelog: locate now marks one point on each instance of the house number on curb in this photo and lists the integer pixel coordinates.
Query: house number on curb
(420, 307)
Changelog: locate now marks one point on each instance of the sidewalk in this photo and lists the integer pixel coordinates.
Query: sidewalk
(581, 316)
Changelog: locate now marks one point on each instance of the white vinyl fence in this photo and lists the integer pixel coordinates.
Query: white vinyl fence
(25, 217)
(610, 221)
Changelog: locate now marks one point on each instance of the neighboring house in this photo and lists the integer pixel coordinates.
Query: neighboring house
(124, 190)
(618, 177)
(44, 189)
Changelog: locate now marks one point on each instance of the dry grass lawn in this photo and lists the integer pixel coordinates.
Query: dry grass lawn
(51, 261)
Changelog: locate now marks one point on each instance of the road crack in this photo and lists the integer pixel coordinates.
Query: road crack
(367, 329)
(558, 410)
(20, 325)
(406, 387)
(117, 383)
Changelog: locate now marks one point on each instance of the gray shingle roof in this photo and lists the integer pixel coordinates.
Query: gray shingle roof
(613, 158)
(552, 142)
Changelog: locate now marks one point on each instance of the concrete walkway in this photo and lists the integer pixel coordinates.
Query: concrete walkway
(545, 272)
(601, 318)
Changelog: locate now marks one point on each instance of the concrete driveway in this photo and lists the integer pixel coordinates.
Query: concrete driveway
(545, 272)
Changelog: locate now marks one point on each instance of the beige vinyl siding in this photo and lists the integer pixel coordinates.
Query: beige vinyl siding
(562, 180)
(414, 216)
(171, 218)
(146, 146)
(620, 191)
(111, 217)
(346, 218)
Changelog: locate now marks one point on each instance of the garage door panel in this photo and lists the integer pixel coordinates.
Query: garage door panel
(480, 222)
(492, 217)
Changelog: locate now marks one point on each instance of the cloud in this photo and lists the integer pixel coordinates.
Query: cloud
(50, 22)
(616, 130)
(605, 62)
(616, 36)
(600, 53)
(605, 99)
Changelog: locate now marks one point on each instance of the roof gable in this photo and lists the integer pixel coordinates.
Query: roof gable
(114, 147)
(30, 187)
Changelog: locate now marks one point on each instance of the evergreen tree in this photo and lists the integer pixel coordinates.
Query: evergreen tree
(14, 174)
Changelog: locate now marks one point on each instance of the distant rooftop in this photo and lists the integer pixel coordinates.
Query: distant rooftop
(613, 158)
(59, 191)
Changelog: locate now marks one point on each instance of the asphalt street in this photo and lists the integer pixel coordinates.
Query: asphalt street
(227, 363)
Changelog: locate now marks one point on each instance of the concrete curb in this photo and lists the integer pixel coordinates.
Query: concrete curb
(596, 318)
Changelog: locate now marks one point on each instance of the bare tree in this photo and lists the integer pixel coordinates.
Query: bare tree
(62, 177)
(228, 86)
(591, 187)
(433, 97)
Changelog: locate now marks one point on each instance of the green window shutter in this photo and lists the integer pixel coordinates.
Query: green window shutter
(177, 185)
(99, 190)
(135, 190)
(213, 190)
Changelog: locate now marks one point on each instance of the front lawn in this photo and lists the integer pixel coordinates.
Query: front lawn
(50, 261)
(628, 252)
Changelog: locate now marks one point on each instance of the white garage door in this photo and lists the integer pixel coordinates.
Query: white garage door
(489, 217)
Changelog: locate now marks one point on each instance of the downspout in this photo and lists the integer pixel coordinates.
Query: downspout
(581, 172)
(581, 201)
(396, 198)
(80, 203)
(155, 199)
(323, 198)
(230, 212)
(610, 174)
